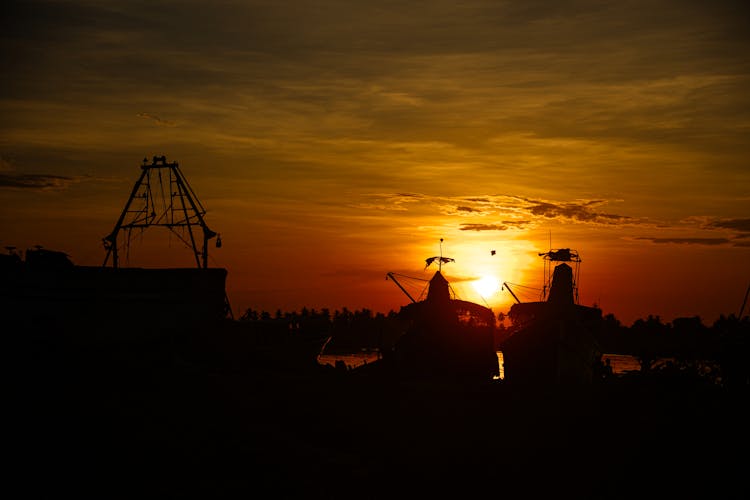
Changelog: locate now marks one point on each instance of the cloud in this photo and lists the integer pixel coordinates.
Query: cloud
(504, 212)
(483, 227)
(392, 201)
(578, 211)
(738, 229)
(739, 232)
(157, 120)
(740, 225)
(467, 211)
(35, 181)
(408, 196)
(502, 226)
(531, 210)
(686, 241)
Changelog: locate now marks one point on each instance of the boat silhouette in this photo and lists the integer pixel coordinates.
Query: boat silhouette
(44, 292)
(553, 341)
(445, 336)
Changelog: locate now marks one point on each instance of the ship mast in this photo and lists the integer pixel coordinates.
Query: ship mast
(560, 255)
(148, 205)
(439, 258)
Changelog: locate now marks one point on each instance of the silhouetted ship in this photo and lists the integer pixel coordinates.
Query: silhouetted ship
(446, 336)
(47, 293)
(553, 341)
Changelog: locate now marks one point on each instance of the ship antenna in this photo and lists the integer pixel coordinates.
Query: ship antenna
(440, 261)
(438, 258)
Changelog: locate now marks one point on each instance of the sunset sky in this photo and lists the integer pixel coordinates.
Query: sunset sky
(332, 142)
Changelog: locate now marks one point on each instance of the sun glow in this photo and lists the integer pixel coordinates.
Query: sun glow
(486, 286)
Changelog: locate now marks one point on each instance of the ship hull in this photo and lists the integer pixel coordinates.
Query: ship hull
(97, 303)
(555, 345)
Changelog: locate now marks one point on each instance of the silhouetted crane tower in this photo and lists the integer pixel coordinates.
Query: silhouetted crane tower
(149, 205)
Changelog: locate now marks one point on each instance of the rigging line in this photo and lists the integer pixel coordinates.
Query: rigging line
(171, 198)
(149, 196)
(522, 286)
(127, 246)
(189, 228)
(485, 301)
(186, 221)
(190, 189)
(744, 302)
(164, 208)
(412, 277)
(183, 222)
(158, 221)
(163, 197)
(181, 238)
(213, 259)
(141, 214)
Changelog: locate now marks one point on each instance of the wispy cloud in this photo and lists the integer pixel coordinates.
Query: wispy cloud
(739, 225)
(535, 210)
(578, 211)
(391, 201)
(35, 181)
(511, 212)
(503, 226)
(157, 120)
(483, 227)
(467, 209)
(686, 241)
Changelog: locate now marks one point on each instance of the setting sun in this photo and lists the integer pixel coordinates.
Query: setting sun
(486, 286)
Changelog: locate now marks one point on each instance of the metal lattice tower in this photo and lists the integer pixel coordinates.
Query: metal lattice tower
(149, 205)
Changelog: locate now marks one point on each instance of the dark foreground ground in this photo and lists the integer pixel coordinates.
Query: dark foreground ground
(125, 422)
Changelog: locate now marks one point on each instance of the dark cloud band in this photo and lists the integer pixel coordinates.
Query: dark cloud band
(34, 181)
(687, 241)
(741, 225)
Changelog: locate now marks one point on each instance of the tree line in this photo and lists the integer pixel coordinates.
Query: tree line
(348, 330)
(686, 342)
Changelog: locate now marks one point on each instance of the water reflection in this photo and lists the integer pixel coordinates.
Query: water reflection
(501, 369)
(620, 363)
(350, 360)
(356, 359)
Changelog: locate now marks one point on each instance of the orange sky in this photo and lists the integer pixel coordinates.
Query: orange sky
(332, 142)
